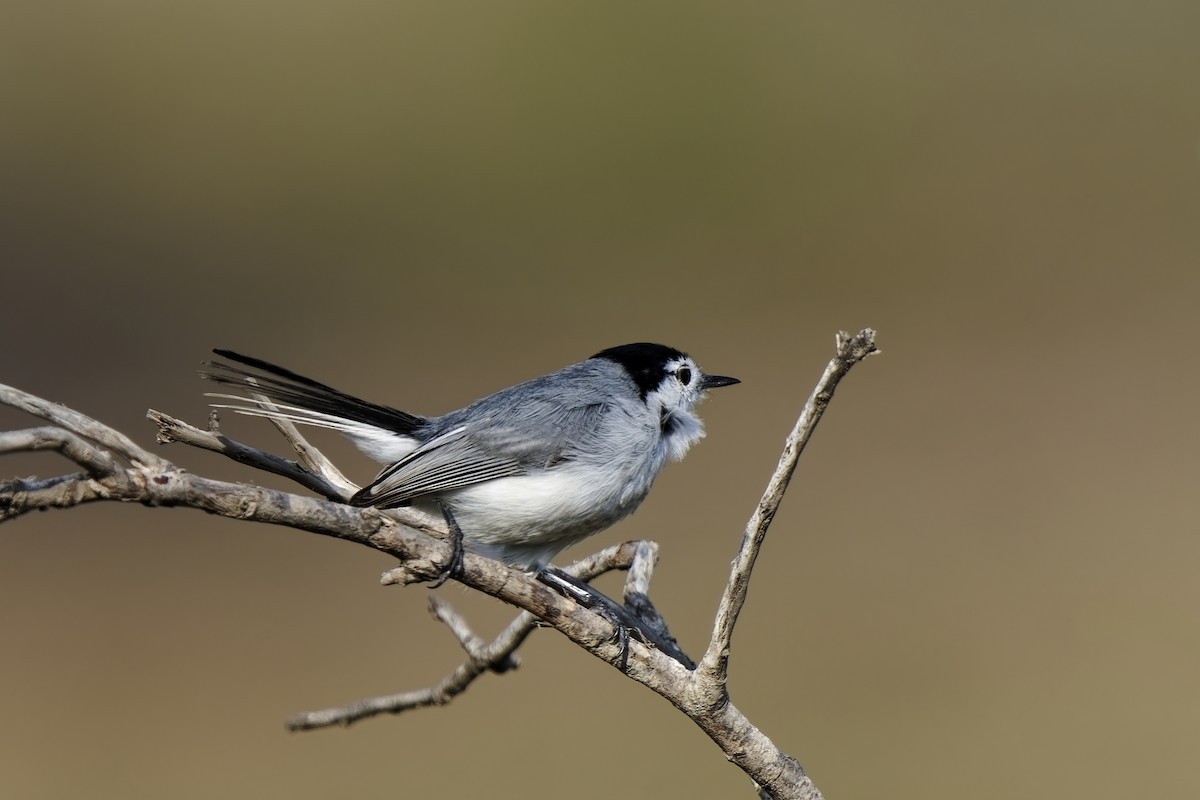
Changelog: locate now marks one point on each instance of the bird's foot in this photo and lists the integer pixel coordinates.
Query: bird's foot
(624, 623)
(454, 567)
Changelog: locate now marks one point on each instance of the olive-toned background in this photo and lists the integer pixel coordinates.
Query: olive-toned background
(983, 582)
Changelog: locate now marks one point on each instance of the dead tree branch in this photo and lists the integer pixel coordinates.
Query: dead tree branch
(498, 656)
(113, 467)
(850, 350)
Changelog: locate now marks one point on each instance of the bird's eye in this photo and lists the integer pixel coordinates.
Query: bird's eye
(685, 375)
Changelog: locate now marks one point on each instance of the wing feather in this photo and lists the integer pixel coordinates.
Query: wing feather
(545, 436)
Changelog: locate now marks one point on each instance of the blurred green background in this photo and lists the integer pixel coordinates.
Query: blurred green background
(983, 581)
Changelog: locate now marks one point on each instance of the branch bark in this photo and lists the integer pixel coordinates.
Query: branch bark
(115, 468)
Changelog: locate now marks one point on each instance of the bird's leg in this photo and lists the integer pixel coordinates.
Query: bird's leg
(454, 568)
(623, 622)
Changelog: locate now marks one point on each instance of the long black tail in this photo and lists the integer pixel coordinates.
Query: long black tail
(287, 387)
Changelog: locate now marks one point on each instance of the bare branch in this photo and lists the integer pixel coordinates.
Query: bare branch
(850, 350)
(79, 424)
(641, 568)
(637, 599)
(499, 656)
(171, 429)
(22, 496)
(444, 613)
(96, 461)
(330, 484)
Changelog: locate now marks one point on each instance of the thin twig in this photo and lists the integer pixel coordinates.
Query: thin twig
(497, 656)
(641, 568)
(171, 429)
(96, 461)
(80, 424)
(850, 350)
(471, 642)
(637, 600)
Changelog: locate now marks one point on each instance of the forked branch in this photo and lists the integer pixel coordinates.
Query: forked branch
(497, 656)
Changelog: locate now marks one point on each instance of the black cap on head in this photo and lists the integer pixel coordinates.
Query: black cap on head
(644, 361)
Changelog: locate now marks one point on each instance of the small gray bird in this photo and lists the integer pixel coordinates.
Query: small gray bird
(525, 472)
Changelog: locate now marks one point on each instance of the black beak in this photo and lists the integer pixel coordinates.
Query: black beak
(715, 381)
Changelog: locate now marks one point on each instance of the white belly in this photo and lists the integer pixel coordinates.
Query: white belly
(526, 520)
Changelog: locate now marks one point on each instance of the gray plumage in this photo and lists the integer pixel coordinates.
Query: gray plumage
(527, 471)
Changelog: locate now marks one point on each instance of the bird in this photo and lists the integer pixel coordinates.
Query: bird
(521, 474)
